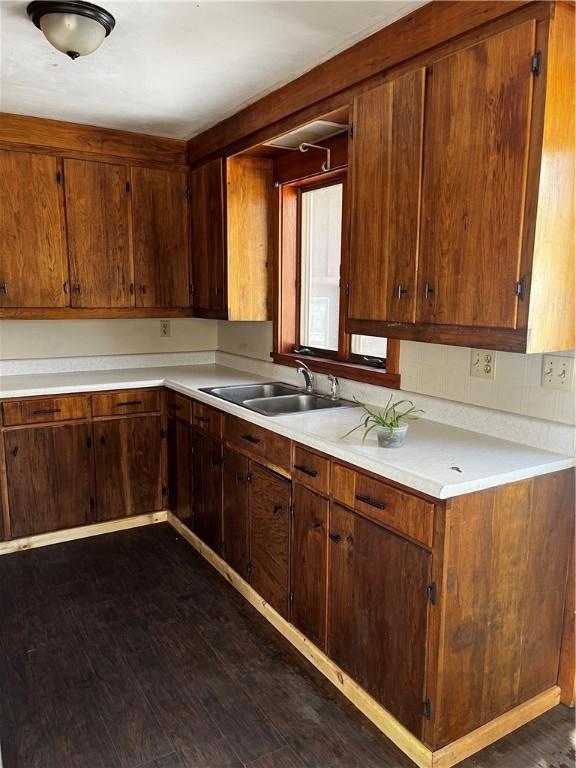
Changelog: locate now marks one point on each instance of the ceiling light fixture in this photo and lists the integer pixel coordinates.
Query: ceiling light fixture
(75, 28)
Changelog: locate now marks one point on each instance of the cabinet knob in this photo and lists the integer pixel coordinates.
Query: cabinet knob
(335, 537)
(401, 291)
(277, 509)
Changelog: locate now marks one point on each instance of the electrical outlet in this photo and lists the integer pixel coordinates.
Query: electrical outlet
(483, 363)
(558, 372)
(164, 328)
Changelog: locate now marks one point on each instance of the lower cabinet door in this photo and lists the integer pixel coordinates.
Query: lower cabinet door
(309, 563)
(48, 472)
(207, 483)
(270, 537)
(128, 455)
(377, 612)
(180, 470)
(236, 511)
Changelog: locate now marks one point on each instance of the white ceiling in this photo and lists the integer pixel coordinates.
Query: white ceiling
(176, 68)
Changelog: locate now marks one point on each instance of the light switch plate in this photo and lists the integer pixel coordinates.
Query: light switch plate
(558, 372)
(483, 363)
(164, 328)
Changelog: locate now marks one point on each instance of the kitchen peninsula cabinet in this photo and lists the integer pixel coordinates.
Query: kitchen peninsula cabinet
(180, 448)
(207, 484)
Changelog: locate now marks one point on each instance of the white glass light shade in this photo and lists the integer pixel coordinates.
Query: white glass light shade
(72, 33)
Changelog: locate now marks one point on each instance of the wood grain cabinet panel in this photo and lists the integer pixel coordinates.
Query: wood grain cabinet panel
(125, 403)
(34, 259)
(475, 172)
(310, 469)
(309, 564)
(386, 171)
(128, 454)
(257, 442)
(377, 612)
(180, 469)
(160, 237)
(236, 511)
(98, 223)
(270, 537)
(208, 419)
(48, 470)
(207, 484)
(43, 410)
(179, 406)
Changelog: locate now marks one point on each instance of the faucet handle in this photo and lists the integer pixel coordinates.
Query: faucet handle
(334, 386)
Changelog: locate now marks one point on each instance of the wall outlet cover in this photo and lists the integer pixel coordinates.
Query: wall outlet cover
(558, 372)
(164, 329)
(483, 363)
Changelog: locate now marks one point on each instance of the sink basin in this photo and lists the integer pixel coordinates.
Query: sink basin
(274, 398)
(274, 406)
(239, 393)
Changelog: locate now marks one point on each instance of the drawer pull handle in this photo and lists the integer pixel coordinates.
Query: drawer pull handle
(372, 502)
(128, 402)
(305, 470)
(42, 411)
(203, 419)
(251, 439)
(335, 537)
(175, 407)
(277, 509)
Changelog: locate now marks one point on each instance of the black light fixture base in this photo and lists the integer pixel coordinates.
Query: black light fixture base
(39, 8)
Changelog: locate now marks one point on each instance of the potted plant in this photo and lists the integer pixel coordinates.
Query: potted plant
(391, 433)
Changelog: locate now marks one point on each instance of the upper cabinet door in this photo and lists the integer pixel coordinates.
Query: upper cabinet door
(98, 219)
(476, 157)
(34, 262)
(386, 160)
(160, 237)
(208, 252)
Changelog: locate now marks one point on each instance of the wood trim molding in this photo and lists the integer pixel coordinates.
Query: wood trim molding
(348, 370)
(418, 752)
(59, 135)
(72, 313)
(410, 36)
(81, 532)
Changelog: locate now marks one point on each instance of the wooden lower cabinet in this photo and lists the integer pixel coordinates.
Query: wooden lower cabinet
(207, 481)
(309, 563)
(377, 612)
(128, 454)
(236, 511)
(270, 537)
(48, 470)
(180, 470)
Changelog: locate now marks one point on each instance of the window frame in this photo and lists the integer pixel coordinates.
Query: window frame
(288, 293)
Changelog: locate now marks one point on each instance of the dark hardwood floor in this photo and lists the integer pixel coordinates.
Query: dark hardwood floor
(129, 651)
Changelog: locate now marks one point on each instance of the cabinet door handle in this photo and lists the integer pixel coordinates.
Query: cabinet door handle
(102, 440)
(128, 402)
(372, 502)
(65, 287)
(203, 419)
(77, 288)
(4, 288)
(41, 411)
(428, 289)
(251, 439)
(335, 537)
(305, 470)
(277, 509)
(316, 524)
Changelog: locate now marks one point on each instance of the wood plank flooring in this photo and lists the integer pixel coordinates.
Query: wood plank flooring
(129, 651)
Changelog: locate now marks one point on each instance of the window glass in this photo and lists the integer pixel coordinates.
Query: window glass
(371, 346)
(321, 231)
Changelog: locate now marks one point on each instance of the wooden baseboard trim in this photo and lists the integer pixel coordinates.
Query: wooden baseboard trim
(382, 719)
(418, 752)
(501, 726)
(82, 532)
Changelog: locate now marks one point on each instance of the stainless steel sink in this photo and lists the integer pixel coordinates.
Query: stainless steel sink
(275, 406)
(274, 398)
(239, 393)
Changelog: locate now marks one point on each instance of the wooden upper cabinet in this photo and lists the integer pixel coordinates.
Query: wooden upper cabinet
(386, 160)
(34, 261)
(160, 237)
(475, 171)
(232, 238)
(208, 256)
(98, 222)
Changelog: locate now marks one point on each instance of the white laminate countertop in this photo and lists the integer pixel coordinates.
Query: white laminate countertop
(439, 460)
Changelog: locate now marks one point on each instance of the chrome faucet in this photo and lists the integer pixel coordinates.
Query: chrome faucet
(334, 387)
(308, 376)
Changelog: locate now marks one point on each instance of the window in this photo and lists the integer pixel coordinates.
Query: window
(311, 317)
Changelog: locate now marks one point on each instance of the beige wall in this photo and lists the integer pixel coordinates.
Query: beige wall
(442, 371)
(24, 339)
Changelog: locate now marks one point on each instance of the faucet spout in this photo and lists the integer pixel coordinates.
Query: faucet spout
(308, 376)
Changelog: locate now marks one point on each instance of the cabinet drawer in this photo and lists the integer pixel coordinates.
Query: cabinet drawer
(256, 441)
(311, 470)
(45, 410)
(121, 403)
(180, 407)
(395, 509)
(208, 420)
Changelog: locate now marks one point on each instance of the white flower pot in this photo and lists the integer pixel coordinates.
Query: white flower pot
(391, 438)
